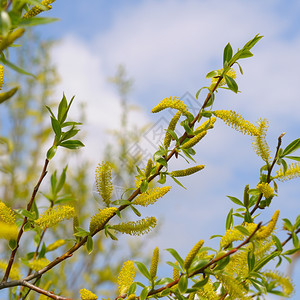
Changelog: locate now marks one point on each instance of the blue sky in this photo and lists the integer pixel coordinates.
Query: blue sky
(168, 47)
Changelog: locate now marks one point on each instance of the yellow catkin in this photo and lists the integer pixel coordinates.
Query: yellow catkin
(265, 247)
(265, 189)
(148, 168)
(1, 77)
(36, 10)
(259, 144)
(208, 124)
(87, 295)
(15, 272)
(53, 216)
(154, 263)
(192, 254)
(175, 272)
(214, 80)
(103, 181)
(136, 228)
(171, 102)
(126, 277)
(132, 297)
(151, 196)
(6, 214)
(172, 125)
(8, 231)
(293, 171)
(278, 279)
(233, 234)
(208, 291)
(237, 122)
(99, 219)
(187, 172)
(194, 140)
(39, 264)
(265, 231)
(55, 245)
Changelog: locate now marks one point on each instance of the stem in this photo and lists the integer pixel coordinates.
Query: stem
(35, 190)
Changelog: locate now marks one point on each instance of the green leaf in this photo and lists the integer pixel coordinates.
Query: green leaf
(15, 67)
(135, 210)
(43, 251)
(277, 242)
(264, 261)
(145, 292)
(288, 225)
(198, 264)
(297, 222)
(72, 144)
(162, 161)
(53, 181)
(121, 202)
(144, 186)
(251, 260)
(222, 263)
(5, 23)
(89, 244)
(235, 200)
(37, 21)
(293, 146)
(164, 281)
(183, 284)
(199, 91)
(231, 83)
(297, 158)
(295, 240)
(227, 54)
(62, 180)
(212, 74)
(28, 214)
(229, 219)
(245, 54)
(291, 252)
(242, 229)
(12, 244)
(174, 266)
(62, 109)
(240, 68)
(162, 178)
(56, 127)
(254, 192)
(201, 283)
(81, 232)
(248, 217)
(132, 289)
(165, 293)
(177, 181)
(177, 257)
(143, 269)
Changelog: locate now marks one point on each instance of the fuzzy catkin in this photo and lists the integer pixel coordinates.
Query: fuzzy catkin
(8, 231)
(154, 263)
(99, 219)
(151, 196)
(208, 124)
(172, 126)
(85, 294)
(1, 77)
(172, 102)
(6, 214)
(293, 171)
(126, 277)
(36, 10)
(103, 181)
(148, 168)
(192, 254)
(187, 172)
(194, 140)
(265, 231)
(265, 189)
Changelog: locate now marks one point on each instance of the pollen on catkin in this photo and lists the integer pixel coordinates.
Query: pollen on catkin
(186, 172)
(237, 122)
(1, 77)
(154, 263)
(126, 277)
(87, 295)
(293, 171)
(8, 231)
(233, 234)
(265, 231)
(172, 126)
(6, 214)
(265, 189)
(208, 124)
(39, 264)
(175, 272)
(136, 228)
(192, 254)
(194, 140)
(151, 196)
(15, 272)
(259, 144)
(148, 168)
(53, 216)
(55, 245)
(103, 181)
(36, 10)
(99, 219)
(214, 80)
(278, 279)
(172, 102)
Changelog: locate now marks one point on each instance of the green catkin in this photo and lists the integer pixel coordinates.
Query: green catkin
(175, 272)
(103, 181)
(293, 171)
(36, 10)
(259, 144)
(53, 216)
(192, 254)
(6, 214)
(265, 231)
(172, 102)
(278, 279)
(136, 228)
(126, 277)
(208, 124)
(193, 141)
(148, 168)
(87, 295)
(237, 122)
(154, 263)
(172, 126)
(151, 196)
(99, 219)
(265, 189)
(187, 172)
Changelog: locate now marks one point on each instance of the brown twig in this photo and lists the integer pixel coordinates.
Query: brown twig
(29, 205)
